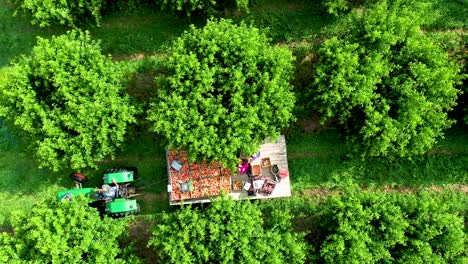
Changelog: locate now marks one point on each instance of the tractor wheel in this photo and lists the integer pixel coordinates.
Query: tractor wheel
(118, 215)
(78, 177)
(114, 215)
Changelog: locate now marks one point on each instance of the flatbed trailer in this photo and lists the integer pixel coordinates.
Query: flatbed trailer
(210, 180)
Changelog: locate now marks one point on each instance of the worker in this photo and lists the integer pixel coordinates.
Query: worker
(108, 191)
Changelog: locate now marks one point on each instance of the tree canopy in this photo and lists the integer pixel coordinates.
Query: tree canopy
(226, 91)
(227, 232)
(62, 232)
(69, 13)
(70, 100)
(388, 83)
(379, 227)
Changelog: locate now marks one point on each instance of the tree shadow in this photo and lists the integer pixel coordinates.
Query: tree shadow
(19, 171)
(323, 159)
(288, 20)
(17, 35)
(144, 32)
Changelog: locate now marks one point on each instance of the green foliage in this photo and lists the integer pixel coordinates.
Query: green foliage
(390, 85)
(62, 232)
(463, 99)
(455, 43)
(466, 104)
(336, 7)
(227, 91)
(69, 13)
(438, 14)
(70, 100)
(226, 232)
(204, 7)
(377, 227)
(341, 7)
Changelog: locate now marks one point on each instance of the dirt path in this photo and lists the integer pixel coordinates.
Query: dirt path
(320, 192)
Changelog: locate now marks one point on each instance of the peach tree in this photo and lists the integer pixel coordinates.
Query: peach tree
(386, 82)
(70, 100)
(226, 90)
(227, 232)
(69, 13)
(62, 232)
(380, 227)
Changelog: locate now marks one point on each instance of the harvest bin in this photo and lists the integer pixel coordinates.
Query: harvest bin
(209, 179)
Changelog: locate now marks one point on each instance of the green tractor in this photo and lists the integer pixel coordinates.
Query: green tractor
(113, 198)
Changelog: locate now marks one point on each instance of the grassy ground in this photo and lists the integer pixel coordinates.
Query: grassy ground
(288, 21)
(17, 36)
(449, 14)
(321, 159)
(20, 179)
(122, 35)
(315, 160)
(144, 33)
